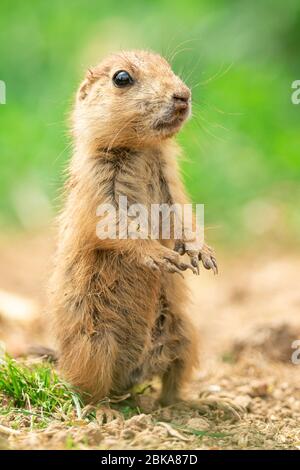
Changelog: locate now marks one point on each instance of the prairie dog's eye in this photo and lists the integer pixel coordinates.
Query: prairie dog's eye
(122, 79)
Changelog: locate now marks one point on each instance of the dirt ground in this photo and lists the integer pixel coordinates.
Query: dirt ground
(246, 394)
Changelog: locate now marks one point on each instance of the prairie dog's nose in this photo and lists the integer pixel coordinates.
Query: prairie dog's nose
(181, 99)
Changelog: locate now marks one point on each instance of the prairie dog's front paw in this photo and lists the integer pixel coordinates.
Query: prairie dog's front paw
(168, 261)
(204, 254)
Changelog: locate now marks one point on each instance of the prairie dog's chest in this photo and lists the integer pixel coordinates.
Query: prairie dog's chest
(143, 178)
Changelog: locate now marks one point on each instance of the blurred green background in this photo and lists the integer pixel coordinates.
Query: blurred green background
(239, 57)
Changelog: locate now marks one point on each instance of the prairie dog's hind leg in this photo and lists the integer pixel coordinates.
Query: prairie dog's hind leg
(171, 383)
(178, 338)
(175, 354)
(179, 370)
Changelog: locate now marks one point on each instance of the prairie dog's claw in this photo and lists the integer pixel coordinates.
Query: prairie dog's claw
(195, 263)
(204, 254)
(168, 262)
(190, 266)
(209, 262)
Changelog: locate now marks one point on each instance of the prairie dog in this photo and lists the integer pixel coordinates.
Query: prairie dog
(118, 305)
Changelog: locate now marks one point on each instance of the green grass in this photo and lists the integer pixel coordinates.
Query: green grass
(199, 433)
(36, 390)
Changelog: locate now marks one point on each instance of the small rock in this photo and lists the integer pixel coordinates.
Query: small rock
(94, 433)
(200, 424)
(165, 415)
(140, 421)
(259, 389)
(244, 401)
(214, 388)
(110, 442)
(128, 434)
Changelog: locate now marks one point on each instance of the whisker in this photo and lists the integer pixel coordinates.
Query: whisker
(216, 76)
(213, 124)
(207, 131)
(182, 43)
(215, 108)
(179, 52)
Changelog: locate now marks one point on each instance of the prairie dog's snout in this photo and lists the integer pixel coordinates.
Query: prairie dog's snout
(182, 98)
(182, 101)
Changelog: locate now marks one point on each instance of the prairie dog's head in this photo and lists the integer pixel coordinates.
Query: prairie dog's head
(130, 99)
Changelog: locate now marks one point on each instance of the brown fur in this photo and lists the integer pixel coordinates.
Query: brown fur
(117, 321)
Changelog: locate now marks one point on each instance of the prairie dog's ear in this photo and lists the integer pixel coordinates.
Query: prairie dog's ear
(86, 85)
